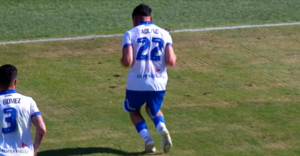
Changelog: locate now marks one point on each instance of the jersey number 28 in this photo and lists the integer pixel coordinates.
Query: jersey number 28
(146, 44)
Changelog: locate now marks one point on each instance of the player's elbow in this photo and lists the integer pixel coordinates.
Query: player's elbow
(127, 63)
(170, 56)
(171, 61)
(127, 58)
(41, 130)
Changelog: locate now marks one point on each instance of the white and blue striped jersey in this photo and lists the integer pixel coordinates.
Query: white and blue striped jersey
(16, 111)
(149, 70)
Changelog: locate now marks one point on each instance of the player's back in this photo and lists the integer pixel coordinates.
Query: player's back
(16, 113)
(149, 70)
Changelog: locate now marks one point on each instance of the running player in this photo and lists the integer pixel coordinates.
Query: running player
(147, 49)
(16, 114)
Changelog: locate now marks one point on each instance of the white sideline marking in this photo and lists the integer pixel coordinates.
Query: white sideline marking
(172, 31)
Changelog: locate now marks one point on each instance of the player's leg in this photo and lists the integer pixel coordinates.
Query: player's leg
(141, 127)
(158, 120)
(133, 103)
(154, 102)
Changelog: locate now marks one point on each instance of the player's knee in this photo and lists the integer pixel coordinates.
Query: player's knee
(155, 114)
(137, 112)
(159, 113)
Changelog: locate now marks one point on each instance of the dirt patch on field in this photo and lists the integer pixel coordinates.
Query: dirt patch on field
(259, 61)
(276, 145)
(73, 48)
(271, 100)
(291, 58)
(220, 104)
(182, 131)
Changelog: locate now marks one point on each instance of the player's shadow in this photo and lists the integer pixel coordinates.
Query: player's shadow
(86, 151)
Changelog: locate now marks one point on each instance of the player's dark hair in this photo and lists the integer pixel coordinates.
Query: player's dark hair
(142, 10)
(8, 73)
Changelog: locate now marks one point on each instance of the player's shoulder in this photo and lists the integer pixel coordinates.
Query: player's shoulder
(131, 31)
(127, 34)
(24, 97)
(161, 30)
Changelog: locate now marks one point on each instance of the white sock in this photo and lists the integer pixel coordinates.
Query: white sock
(160, 126)
(144, 133)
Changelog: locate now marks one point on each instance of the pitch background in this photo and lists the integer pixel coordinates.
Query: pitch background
(233, 92)
(39, 19)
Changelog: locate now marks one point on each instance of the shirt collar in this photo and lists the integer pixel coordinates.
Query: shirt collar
(8, 91)
(145, 22)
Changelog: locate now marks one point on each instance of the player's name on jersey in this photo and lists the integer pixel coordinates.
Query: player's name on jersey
(150, 76)
(148, 31)
(11, 101)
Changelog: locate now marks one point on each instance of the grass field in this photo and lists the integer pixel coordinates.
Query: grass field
(232, 92)
(56, 18)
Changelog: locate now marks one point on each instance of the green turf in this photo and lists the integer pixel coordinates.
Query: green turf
(233, 92)
(60, 18)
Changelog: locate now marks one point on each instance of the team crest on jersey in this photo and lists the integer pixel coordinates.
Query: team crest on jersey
(157, 70)
(23, 145)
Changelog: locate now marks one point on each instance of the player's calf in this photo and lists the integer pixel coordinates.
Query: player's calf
(160, 125)
(141, 127)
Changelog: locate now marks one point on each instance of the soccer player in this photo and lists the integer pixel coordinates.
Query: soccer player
(147, 49)
(16, 114)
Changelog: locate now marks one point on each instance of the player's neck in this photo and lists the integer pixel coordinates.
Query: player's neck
(9, 88)
(146, 19)
(143, 19)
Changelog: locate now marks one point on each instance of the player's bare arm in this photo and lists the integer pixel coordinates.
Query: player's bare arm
(127, 57)
(40, 132)
(170, 56)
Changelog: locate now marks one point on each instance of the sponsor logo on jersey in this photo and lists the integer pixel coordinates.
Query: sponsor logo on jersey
(20, 150)
(150, 76)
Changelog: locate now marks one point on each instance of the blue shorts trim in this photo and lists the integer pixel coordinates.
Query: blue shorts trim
(136, 99)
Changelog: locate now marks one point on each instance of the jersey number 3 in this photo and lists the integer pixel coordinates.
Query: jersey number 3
(11, 119)
(153, 52)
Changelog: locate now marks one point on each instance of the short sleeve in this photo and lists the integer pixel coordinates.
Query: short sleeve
(126, 41)
(34, 110)
(169, 39)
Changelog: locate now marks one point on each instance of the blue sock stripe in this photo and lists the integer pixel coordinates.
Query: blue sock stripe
(140, 126)
(158, 119)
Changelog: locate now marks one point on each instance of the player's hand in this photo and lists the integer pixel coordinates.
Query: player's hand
(35, 153)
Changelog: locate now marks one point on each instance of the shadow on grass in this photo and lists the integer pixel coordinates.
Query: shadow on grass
(86, 151)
